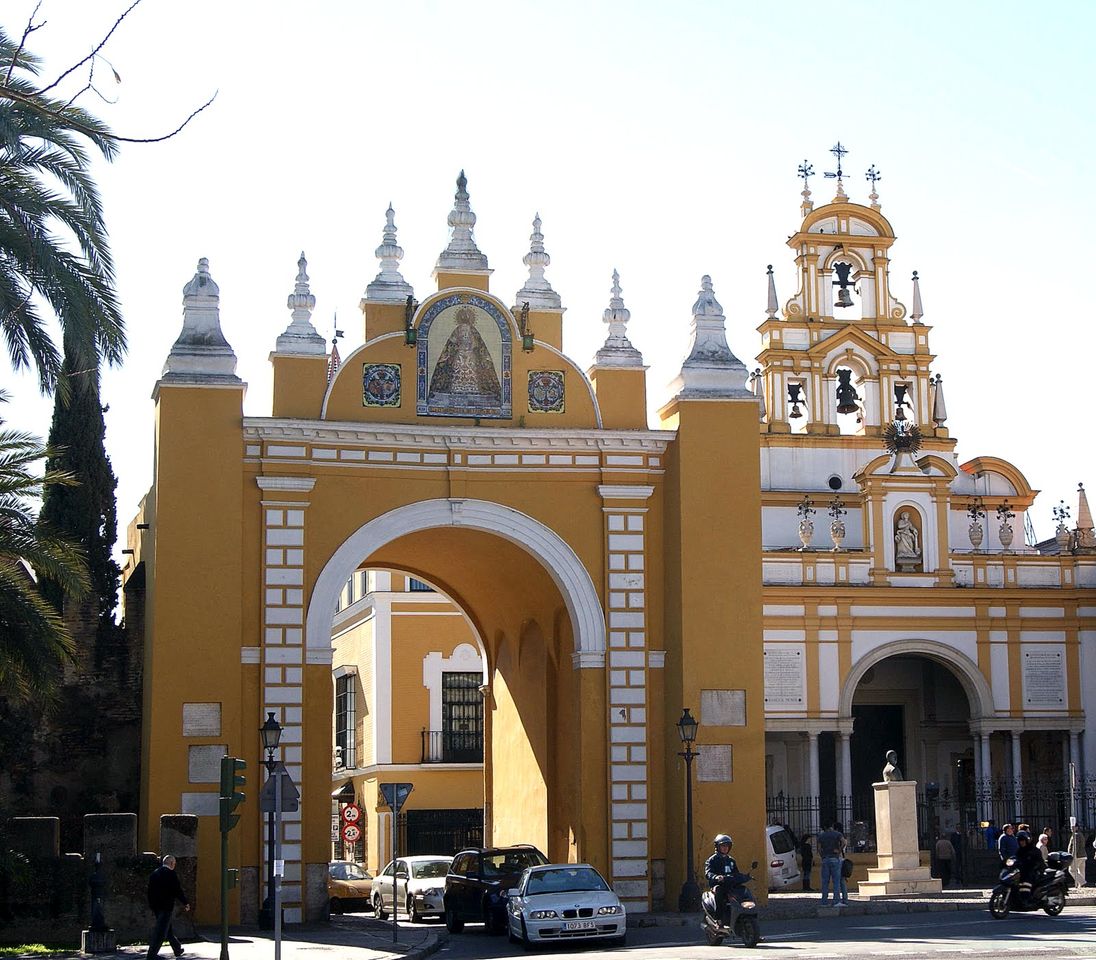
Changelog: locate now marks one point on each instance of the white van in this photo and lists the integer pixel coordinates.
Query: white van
(783, 865)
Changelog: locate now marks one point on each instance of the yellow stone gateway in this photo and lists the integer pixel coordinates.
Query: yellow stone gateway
(603, 584)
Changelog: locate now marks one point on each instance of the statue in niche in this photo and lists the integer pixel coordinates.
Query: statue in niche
(891, 771)
(906, 539)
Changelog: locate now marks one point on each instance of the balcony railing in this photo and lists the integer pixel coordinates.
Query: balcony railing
(452, 746)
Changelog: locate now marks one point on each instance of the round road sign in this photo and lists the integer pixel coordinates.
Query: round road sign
(351, 832)
(351, 813)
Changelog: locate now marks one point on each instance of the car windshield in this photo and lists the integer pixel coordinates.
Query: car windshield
(510, 862)
(564, 880)
(431, 868)
(354, 872)
(782, 842)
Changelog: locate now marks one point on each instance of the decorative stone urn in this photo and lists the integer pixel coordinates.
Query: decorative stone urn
(975, 532)
(1062, 535)
(806, 532)
(1005, 534)
(837, 533)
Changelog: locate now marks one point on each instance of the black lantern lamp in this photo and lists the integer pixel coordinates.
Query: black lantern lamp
(271, 735)
(689, 899)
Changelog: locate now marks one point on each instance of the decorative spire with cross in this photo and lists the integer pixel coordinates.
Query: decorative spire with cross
(389, 285)
(838, 151)
(537, 291)
(874, 176)
(805, 172)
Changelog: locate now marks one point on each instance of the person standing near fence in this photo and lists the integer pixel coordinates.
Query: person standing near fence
(956, 839)
(806, 859)
(945, 854)
(1006, 843)
(830, 844)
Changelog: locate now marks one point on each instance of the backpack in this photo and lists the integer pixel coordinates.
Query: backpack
(846, 869)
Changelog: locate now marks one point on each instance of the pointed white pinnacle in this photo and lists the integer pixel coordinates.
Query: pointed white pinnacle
(773, 304)
(389, 285)
(462, 252)
(537, 291)
(618, 350)
(300, 337)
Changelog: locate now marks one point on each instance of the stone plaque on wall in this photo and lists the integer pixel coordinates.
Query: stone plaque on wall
(785, 675)
(201, 719)
(205, 763)
(714, 763)
(200, 804)
(1044, 677)
(723, 708)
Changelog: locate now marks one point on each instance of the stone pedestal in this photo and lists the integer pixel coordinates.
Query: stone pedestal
(98, 941)
(899, 871)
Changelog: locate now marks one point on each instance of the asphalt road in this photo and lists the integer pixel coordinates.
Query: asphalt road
(966, 934)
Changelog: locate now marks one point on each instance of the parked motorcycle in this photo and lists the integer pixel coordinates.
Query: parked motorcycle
(1048, 893)
(741, 920)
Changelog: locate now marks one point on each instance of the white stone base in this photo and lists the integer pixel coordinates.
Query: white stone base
(899, 871)
(881, 887)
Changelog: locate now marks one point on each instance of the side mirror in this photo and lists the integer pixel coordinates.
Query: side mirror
(510, 894)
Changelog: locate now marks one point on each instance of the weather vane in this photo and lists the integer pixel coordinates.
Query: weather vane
(805, 171)
(873, 175)
(839, 152)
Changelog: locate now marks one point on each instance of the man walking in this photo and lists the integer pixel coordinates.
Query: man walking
(830, 844)
(163, 890)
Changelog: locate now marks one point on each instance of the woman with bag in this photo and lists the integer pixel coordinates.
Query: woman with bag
(846, 866)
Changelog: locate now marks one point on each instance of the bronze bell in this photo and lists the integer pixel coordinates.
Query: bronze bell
(795, 399)
(900, 401)
(844, 298)
(846, 393)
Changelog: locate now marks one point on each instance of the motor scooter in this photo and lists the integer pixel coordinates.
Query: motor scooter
(741, 920)
(1048, 893)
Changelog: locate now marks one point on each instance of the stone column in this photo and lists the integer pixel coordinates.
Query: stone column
(979, 806)
(846, 767)
(1075, 752)
(1017, 775)
(812, 760)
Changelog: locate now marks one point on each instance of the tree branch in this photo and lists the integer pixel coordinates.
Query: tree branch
(102, 43)
(27, 31)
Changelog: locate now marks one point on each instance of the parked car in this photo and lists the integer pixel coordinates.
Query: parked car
(415, 884)
(348, 886)
(564, 901)
(783, 866)
(477, 883)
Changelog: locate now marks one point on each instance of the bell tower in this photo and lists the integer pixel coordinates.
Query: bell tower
(844, 355)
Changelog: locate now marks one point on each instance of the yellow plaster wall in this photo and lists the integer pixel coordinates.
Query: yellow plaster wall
(299, 386)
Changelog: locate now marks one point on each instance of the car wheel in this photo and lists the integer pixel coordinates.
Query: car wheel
(336, 905)
(998, 904)
(1054, 904)
(378, 907)
(453, 922)
(413, 914)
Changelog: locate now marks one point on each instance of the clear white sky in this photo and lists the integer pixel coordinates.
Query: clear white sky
(658, 138)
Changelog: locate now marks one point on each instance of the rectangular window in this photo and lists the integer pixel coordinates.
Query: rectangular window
(417, 586)
(345, 714)
(461, 717)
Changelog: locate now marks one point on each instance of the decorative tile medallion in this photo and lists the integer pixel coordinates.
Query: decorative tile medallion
(380, 384)
(546, 391)
(463, 355)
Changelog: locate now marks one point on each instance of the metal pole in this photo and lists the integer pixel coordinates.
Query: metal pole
(266, 912)
(224, 893)
(689, 900)
(1072, 793)
(395, 899)
(275, 855)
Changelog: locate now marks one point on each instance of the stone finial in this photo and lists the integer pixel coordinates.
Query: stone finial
(757, 388)
(389, 285)
(918, 311)
(1084, 513)
(201, 354)
(773, 304)
(939, 408)
(537, 292)
(300, 336)
(710, 370)
(462, 254)
(618, 350)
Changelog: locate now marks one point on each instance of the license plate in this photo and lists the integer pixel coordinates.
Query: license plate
(579, 925)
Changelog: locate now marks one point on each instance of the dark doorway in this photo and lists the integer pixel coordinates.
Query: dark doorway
(441, 832)
(877, 728)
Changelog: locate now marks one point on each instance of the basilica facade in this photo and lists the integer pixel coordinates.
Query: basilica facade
(858, 582)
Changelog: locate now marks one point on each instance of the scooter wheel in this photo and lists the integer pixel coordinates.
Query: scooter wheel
(998, 904)
(714, 939)
(1054, 904)
(750, 931)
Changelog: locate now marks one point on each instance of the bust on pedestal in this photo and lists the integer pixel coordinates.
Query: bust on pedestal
(899, 870)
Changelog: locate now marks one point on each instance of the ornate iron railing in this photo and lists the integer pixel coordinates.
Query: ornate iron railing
(452, 746)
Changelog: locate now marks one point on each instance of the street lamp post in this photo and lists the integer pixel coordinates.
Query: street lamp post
(689, 900)
(271, 734)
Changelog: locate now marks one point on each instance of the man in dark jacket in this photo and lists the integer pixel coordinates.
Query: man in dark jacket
(806, 857)
(722, 876)
(1029, 861)
(163, 890)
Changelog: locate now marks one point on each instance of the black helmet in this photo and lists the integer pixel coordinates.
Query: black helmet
(1023, 835)
(721, 839)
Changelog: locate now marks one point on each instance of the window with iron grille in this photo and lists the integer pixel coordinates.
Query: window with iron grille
(462, 717)
(345, 718)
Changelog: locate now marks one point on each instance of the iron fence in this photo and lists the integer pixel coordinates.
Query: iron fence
(1040, 803)
(452, 746)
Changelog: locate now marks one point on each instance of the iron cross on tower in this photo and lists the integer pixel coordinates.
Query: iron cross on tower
(839, 152)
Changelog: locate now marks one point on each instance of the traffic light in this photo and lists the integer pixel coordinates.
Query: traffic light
(231, 798)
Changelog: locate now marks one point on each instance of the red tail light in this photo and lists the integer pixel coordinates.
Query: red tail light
(777, 863)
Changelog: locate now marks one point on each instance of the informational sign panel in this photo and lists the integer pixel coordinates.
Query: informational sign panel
(1044, 677)
(291, 796)
(785, 675)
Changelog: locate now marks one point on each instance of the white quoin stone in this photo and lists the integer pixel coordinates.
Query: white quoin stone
(537, 291)
(462, 255)
(389, 285)
(710, 370)
(617, 350)
(300, 336)
(201, 354)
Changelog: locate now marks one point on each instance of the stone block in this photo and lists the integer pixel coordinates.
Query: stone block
(179, 835)
(36, 837)
(98, 941)
(112, 835)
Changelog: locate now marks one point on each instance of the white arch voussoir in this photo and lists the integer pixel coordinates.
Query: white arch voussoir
(540, 542)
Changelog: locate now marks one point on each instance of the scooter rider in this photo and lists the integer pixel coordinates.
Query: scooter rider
(1029, 861)
(722, 874)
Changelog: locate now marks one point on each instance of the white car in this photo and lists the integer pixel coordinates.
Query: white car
(564, 901)
(418, 882)
(783, 865)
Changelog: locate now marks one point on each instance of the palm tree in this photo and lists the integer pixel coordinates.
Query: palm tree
(35, 640)
(53, 241)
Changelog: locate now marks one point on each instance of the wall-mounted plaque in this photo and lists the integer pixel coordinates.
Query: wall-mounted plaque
(1044, 677)
(380, 384)
(785, 675)
(546, 391)
(201, 719)
(715, 764)
(723, 708)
